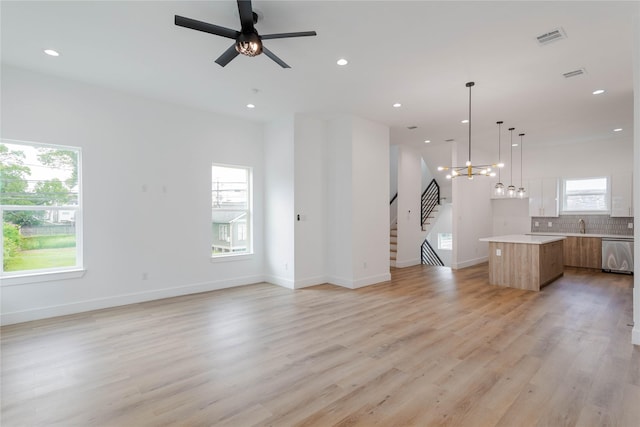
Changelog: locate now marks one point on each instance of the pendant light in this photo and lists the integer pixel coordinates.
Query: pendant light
(498, 190)
(511, 189)
(521, 192)
(468, 169)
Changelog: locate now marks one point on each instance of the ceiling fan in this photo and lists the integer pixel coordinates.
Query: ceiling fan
(248, 41)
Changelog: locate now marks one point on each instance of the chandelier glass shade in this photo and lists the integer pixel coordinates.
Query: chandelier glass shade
(469, 170)
(511, 189)
(521, 191)
(498, 190)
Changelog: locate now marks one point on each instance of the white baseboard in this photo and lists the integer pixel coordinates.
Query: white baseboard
(309, 281)
(359, 283)
(407, 263)
(470, 262)
(280, 281)
(118, 300)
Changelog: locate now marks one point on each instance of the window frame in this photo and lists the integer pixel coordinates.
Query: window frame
(563, 197)
(20, 277)
(248, 212)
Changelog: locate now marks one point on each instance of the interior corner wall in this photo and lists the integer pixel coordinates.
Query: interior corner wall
(635, 335)
(410, 234)
(370, 190)
(358, 205)
(146, 192)
(472, 213)
(279, 239)
(310, 191)
(340, 202)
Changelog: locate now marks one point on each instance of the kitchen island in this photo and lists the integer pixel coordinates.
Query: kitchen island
(525, 261)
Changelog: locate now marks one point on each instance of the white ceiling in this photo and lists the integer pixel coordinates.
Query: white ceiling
(420, 54)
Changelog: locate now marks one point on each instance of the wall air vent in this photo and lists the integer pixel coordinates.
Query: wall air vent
(551, 36)
(574, 73)
(412, 127)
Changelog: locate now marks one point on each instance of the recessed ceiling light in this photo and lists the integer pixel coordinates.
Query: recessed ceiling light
(397, 105)
(342, 61)
(464, 121)
(51, 52)
(514, 144)
(251, 106)
(426, 141)
(618, 130)
(598, 92)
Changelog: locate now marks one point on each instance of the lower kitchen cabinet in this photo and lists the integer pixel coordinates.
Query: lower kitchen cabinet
(585, 252)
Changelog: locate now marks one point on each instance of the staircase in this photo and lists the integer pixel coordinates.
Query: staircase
(393, 243)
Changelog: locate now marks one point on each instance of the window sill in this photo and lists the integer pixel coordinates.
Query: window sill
(50, 276)
(226, 258)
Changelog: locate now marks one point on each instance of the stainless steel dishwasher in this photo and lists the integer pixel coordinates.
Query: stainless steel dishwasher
(617, 255)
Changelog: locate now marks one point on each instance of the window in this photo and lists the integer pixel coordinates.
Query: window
(585, 195)
(445, 241)
(230, 210)
(40, 205)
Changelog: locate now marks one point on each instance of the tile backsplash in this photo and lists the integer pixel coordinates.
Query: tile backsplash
(594, 224)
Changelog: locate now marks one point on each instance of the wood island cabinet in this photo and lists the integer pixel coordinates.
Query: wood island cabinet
(584, 252)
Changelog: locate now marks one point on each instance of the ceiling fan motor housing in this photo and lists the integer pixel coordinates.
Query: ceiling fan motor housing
(249, 44)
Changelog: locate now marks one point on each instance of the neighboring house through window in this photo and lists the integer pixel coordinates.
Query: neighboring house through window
(230, 210)
(41, 208)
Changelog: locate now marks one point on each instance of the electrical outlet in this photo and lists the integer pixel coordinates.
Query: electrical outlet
(498, 252)
(630, 225)
(536, 223)
(549, 224)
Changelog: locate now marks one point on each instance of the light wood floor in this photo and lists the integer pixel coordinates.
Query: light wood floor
(431, 347)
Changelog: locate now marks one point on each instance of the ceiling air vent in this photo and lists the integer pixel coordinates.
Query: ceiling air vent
(574, 73)
(412, 127)
(551, 36)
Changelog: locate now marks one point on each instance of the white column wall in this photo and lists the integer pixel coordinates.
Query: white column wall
(410, 235)
(370, 189)
(340, 209)
(310, 194)
(279, 202)
(472, 213)
(147, 192)
(635, 336)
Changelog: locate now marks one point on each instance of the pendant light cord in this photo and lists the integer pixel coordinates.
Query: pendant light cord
(470, 85)
(521, 150)
(499, 154)
(511, 166)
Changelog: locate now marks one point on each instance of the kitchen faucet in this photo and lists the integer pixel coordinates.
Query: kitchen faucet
(581, 225)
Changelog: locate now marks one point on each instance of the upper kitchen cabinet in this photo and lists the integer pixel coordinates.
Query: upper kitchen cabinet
(543, 197)
(622, 195)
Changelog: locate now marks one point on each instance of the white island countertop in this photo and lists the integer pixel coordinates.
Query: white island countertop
(523, 238)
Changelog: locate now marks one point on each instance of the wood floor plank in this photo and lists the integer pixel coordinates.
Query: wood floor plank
(430, 347)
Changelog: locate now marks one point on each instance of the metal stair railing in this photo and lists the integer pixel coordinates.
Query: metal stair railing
(430, 199)
(428, 256)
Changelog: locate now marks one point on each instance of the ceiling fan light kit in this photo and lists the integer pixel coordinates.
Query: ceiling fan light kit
(248, 41)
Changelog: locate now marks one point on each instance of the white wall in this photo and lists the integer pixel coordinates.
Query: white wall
(511, 216)
(370, 221)
(444, 224)
(130, 143)
(279, 202)
(310, 201)
(472, 213)
(358, 215)
(410, 235)
(636, 165)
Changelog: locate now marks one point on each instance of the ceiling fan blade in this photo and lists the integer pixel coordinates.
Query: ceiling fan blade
(205, 27)
(274, 57)
(287, 35)
(227, 56)
(246, 15)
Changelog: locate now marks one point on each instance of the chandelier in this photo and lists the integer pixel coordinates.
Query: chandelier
(469, 170)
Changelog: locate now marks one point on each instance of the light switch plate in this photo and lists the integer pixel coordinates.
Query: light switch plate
(498, 252)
